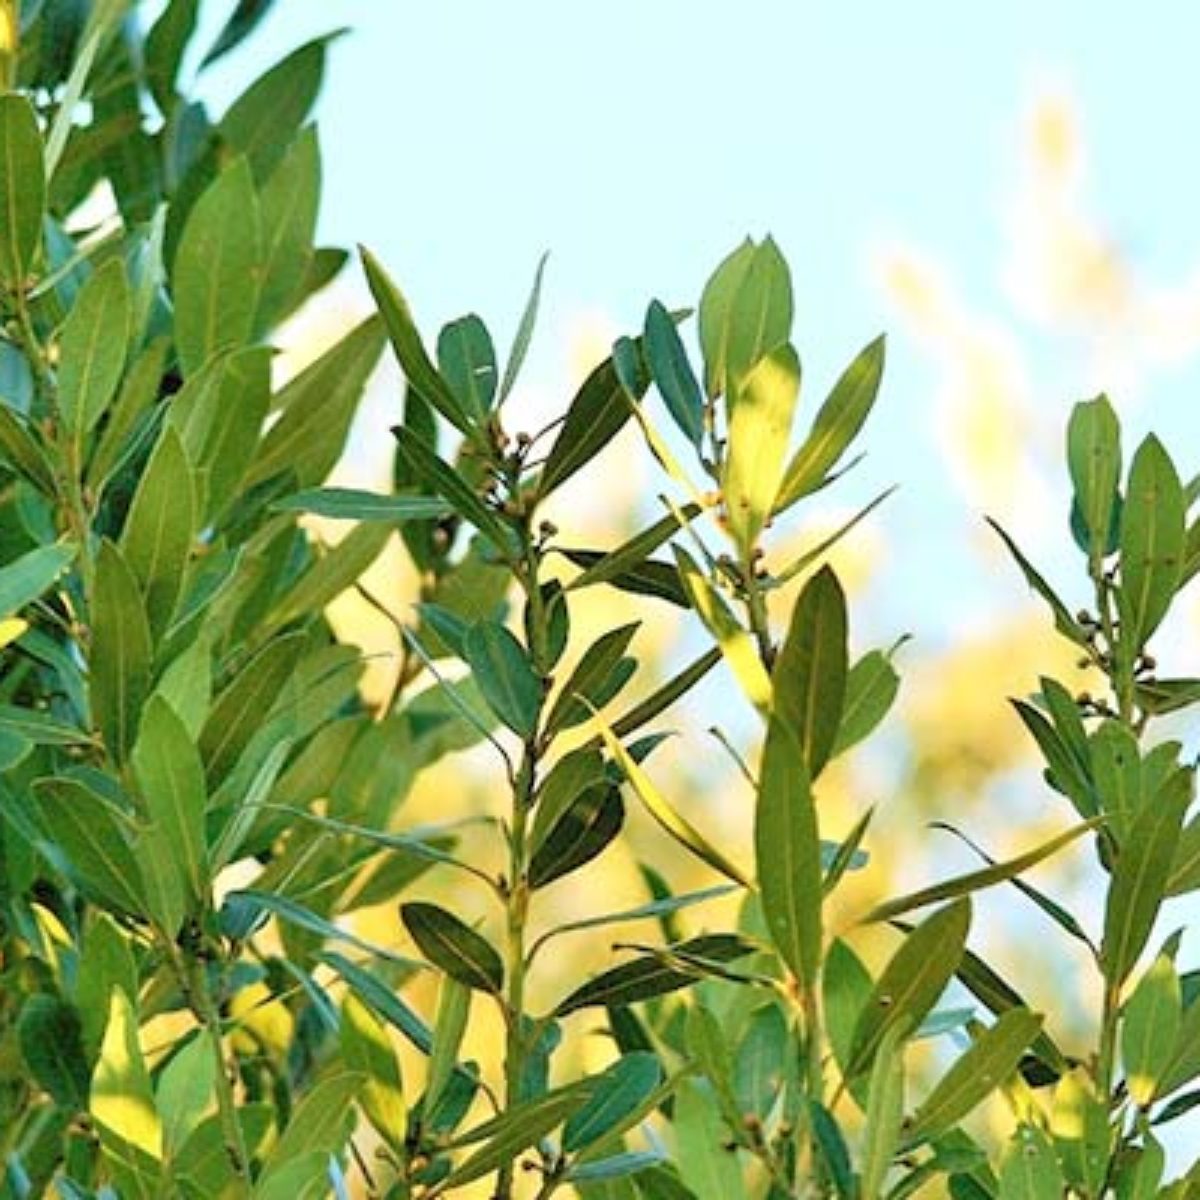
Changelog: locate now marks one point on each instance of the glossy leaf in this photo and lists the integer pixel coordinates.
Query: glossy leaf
(454, 947)
(676, 826)
(1153, 536)
(585, 687)
(22, 190)
(501, 668)
(788, 852)
(583, 832)
(914, 978)
(837, 424)
(1140, 878)
(93, 347)
(1150, 1024)
(985, 1066)
(418, 368)
(214, 278)
(1094, 460)
(761, 412)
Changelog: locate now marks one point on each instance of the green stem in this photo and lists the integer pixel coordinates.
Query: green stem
(1106, 1063)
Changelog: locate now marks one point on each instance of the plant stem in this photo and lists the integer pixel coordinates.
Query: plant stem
(1106, 1063)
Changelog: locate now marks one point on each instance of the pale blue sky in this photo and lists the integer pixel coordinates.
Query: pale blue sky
(639, 141)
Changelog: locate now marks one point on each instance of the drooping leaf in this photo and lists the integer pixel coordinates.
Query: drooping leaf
(454, 947)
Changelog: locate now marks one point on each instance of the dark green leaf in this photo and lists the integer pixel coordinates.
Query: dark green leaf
(22, 190)
(662, 698)
(646, 578)
(21, 449)
(166, 44)
(586, 687)
(25, 579)
(582, 833)
(241, 24)
(289, 212)
(51, 1040)
(467, 362)
(618, 1093)
(673, 373)
(383, 999)
(630, 554)
(454, 947)
(501, 668)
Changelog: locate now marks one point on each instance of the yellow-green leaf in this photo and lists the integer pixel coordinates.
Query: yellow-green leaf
(22, 190)
(1150, 1022)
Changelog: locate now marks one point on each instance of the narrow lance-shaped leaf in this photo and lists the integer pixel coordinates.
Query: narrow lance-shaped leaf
(449, 1028)
(619, 1091)
(788, 852)
(1094, 460)
(50, 1037)
(524, 334)
(25, 579)
(1140, 877)
(366, 1049)
(984, 1067)
(885, 1112)
(454, 947)
(912, 981)
(22, 190)
(871, 688)
(835, 427)
(418, 368)
(673, 373)
(1064, 622)
(502, 671)
(1153, 541)
(93, 347)
(809, 678)
(678, 827)
(761, 411)
(467, 361)
(1150, 1023)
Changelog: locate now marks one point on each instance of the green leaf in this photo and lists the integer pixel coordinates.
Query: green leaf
(1140, 877)
(215, 276)
(1150, 1022)
(25, 579)
(516, 1130)
(262, 123)
(184, 1093)
(124, 425)
(871, 688)
(705, 1163)
(450, 1025)
(568, 779)
(35, 726)
(159, 530)
(454, 947)
(912, 981)
(619, 1092)
(586, 687)
(21, 448)
(524, 334)
(93, 347)
(501, 668)
(170, 777)
(467, 362)
(761, 412)
(318, 407)
(51, 1039)
(788, 852)
(320, 1122)
(630, 554)
(248, 15)
(673, 373)
(676, 825)
(745, 313)
(581, 834)
(367, 1050)
(383, 1000)
(735, 643)
(419, 371)
(122, 651)
(974, 881)
(1153, 536)
(885, 1111)
(595, 416)
(290, 200)
(22, 190)
(663, 697)
(122, 1101)
(646, 578)
(165, 46)
(978, 1073)
(1094, 460)
(443, 480)
(83, 829)
(1029, 1169)
(836, 425)
(1063, 621)
(654, 974)
(809, 677)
